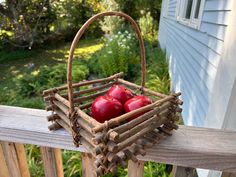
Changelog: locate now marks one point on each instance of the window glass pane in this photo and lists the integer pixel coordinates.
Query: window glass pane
(197, 9)
(188, 9)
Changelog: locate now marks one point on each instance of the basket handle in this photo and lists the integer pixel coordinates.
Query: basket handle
(80, 33)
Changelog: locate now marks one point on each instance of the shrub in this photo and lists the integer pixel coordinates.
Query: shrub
(118, 55)
(79, 72)
(110, 24)
(148, 27)
(157, 70)
(33, 84)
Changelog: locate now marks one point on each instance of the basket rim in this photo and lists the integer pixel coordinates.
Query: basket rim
(116, 120)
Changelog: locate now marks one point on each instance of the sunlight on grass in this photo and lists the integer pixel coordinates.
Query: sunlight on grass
(8, 33)
(85, 52)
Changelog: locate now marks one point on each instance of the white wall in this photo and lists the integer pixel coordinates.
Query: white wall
(194, 55)
(222, 109)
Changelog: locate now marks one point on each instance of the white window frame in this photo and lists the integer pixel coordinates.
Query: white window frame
(191, 22)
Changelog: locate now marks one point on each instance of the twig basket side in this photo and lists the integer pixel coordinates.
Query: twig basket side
(114, 141)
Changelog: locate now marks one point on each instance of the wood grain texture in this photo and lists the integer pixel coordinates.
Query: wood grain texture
(59, 162)
(15, 159)
(3, 166)
(87, 165)
(21, 156)
(52, 162)
(225, 174)
(135, 169)
(189, 146)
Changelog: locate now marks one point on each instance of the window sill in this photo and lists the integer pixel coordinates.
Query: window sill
(189, 23)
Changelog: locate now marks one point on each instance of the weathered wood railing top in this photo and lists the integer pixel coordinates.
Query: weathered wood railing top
(189, 146)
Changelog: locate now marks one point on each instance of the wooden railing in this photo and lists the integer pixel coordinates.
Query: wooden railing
(188, 147)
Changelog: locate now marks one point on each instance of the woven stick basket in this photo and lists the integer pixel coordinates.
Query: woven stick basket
(117, 140)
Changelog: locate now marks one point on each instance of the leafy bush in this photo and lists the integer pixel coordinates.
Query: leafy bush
(110, 24)
(118, 55)
(79, 72)
(33, 84)
(72, 14)
(157, 70)
(148, 27)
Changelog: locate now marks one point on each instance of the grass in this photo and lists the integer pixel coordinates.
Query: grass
(17, 64)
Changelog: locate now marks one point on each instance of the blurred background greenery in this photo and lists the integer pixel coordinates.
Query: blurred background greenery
(35, 38)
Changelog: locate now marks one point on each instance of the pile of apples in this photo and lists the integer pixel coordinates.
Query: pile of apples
(117, 101)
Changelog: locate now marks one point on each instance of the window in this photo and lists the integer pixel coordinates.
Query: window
(189, 12)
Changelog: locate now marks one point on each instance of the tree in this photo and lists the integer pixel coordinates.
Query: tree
(135, 8)
(29, 21)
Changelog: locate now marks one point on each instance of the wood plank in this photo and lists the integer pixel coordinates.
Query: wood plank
(189, 146)
(87, 165)
(225, 174)
(135, 169)
(20, 150)
(59, 162)
(11, 159)
(15, 158)
(3, 166)
(52, 162)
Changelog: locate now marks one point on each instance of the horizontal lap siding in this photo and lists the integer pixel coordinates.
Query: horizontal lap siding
(194, 55)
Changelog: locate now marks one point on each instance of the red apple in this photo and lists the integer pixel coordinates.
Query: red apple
(120, 93)
(105, 108)
(135, 103)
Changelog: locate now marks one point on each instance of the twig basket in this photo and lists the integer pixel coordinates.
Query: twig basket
(115, 141)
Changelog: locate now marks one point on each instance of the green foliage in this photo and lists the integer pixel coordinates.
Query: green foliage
(135, 8)
(110, 24)
(15, 55)
(157, 70)
(79, 72)
(72, 163)
(34, 161)
(118, 55)
(152, 169)
(33, 84)
(72, 14)
(29, 21)
(148, 27)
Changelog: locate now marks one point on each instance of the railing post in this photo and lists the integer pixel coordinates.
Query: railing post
(52, 161)
(135, 169)
(13, 160)
(3, 165)
(87, 165)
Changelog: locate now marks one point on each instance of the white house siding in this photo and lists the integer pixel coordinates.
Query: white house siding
(194, 55)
